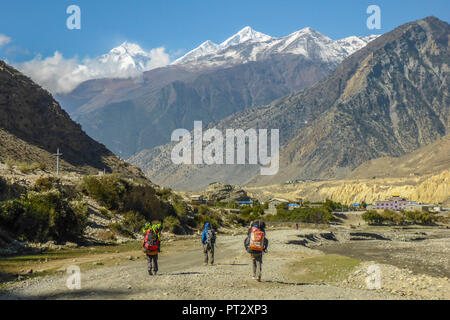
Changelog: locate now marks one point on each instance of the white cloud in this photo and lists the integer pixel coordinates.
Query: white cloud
(4, 39)
(61, 75)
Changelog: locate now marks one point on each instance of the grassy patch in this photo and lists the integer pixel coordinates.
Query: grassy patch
(52, 260)
(329, 268)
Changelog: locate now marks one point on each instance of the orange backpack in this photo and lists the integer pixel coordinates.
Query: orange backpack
(256, 239)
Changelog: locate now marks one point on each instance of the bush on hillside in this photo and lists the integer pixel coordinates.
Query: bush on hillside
(43, 184)
(143, 199)
(41, 217)
(26, 167)
(133, 221)
(107, 190)
(115, 193)
(172, 224)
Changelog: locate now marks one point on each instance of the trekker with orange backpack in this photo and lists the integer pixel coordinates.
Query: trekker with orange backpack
(151, 247)
(256, 244)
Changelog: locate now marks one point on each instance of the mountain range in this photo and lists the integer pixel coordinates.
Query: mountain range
(250, 45)
(387, 99)
(209, 83)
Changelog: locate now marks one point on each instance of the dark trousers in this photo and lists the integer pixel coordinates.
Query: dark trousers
(208, 251)
(257, 264)
(152, 263)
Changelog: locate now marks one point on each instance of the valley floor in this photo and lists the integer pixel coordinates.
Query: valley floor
(304, 264)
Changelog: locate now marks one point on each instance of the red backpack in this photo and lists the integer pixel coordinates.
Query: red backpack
(256, 239)
(151, 242)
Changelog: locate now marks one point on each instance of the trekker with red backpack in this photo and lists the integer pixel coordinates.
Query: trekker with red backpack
(256, 244)
(151, 247)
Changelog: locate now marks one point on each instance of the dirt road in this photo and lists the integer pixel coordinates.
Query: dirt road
(183, 276)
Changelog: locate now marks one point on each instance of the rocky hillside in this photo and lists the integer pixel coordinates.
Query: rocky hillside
(427, 160)
(33, 126)
(387, 99)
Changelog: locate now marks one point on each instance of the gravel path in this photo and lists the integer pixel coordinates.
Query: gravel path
(183, 276)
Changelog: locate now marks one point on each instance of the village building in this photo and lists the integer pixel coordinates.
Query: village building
(273, 203)
(394, 203)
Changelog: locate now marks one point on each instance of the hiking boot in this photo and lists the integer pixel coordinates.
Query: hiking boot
(150, 273)
(258, 279)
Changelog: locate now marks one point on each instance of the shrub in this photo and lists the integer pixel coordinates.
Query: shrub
(399, 218)
(25, 167)
(331, 205)
(204, 214)
(393, 217)
(164, 193)
(420, 217)
(181, 208)
(10, 191)
(172, 224)
(107, 190)
(45, 184)
(118, 228)
(115, 193)
(9, 163)
(43, 216)
(133, 221)
(143, 199)
(372, 217)
(246, 210)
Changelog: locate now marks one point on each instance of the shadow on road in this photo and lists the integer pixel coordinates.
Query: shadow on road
(78, 294)
(181, 274)
(292, 283)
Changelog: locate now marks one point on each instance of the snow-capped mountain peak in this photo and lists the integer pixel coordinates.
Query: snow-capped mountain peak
(250, 45)
(244, 35)
(207, 47)
(127, 57)
(129, 48)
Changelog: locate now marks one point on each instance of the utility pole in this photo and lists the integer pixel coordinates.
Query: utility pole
(57, 154)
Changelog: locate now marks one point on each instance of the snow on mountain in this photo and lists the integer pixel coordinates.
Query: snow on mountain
(246, 34)
(205, 48)
(250, 45)
(127, 57)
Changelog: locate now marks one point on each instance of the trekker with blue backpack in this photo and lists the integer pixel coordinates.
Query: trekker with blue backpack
(208, 241)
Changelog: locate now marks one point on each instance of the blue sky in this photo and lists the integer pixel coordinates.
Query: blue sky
(39, 27)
